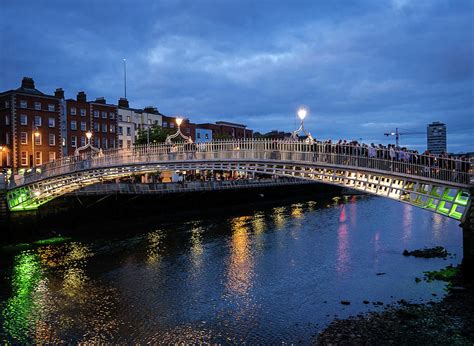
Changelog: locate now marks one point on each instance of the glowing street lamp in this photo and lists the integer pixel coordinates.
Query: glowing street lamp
(88, 145)
(89, 136)
(178, 133)
(35, 135)
(302, 113)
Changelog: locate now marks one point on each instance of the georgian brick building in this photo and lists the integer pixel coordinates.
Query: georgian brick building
(227, 130)
(29, 127)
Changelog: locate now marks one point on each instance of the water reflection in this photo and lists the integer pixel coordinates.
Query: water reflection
(240, 272)
(279, 217)
(342, 249)
(155, 242)
(297, 210)
(197, 250)
(407, 221)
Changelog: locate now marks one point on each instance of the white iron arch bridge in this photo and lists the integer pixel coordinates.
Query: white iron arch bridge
(440, 185)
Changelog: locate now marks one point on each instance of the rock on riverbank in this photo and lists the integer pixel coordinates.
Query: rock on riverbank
(437, 251)
(449, 322)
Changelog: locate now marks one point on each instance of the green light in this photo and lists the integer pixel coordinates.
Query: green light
(19, 312)
(53, 240)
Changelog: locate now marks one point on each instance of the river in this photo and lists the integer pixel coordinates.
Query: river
(269, 275)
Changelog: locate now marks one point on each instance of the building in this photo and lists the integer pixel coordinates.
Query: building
(203, 135)
(224, 129)
(436, 138)
(29, 127)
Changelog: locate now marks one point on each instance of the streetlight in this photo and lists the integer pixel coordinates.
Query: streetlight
(1, 155)
(89, 136)
(302, 113)
(35, 135)
(88, 145)
(178, 133)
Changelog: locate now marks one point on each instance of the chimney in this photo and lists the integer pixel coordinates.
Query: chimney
(100, 100)
(59, 93)
(150, 109)
(123, 102)
(81, 96)
(28, 83)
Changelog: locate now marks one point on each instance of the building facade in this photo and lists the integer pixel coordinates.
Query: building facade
(203, 135)
(29, 127)
(224, 129)
(436, 138)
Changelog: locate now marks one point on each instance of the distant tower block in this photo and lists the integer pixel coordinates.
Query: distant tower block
(436, 137)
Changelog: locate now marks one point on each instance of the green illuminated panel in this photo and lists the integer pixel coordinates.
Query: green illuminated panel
(431, 203)
(460, 199)
(442, 209)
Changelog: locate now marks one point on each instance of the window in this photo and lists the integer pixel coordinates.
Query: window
(37, 120)
(112, 128)
(52, 156)
(96, 141)
(51, 107)
(104, 143)
(129, 131)
(73, 125)
(52, 139)
(38, 158)
(38, 106)
(128, 118)
(207, 136)
(96, 127)
(73, 110)
(120, 130)
(38, 139)
(149, 121)
(7, 138)
(73, 141)
(119, 117)
(23, 104)
(120, 143)
(83, 141)
(83, 126)
(112, 143)
(24, 138)
(51, 122)
(129, 144)
(24, 158)
(165, 124)
(188, 130)
(96, 114)
(172, 125)
(7, 120)
(111, 115)
(23, 119)
(104, 128)
(198, 135)
(83, 112)
(104, 115)
(7, 104)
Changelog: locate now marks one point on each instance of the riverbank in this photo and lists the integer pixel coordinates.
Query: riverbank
(449, 322)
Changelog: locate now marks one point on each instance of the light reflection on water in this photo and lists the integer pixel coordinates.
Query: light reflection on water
(260, 277)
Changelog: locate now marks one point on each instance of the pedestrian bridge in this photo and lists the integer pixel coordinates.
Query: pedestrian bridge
(440, 185)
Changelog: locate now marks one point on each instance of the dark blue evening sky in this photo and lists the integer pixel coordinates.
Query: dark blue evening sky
(363, 68)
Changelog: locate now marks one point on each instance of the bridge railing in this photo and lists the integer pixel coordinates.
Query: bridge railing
(284, 152)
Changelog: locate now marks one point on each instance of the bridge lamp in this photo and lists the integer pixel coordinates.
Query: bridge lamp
(179, 121)
(89, 135)
(37, 193)
(302, 112)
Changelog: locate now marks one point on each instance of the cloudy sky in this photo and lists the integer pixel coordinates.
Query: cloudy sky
(363, 68)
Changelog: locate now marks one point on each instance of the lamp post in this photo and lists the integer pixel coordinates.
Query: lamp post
(178, 133)
(88, 145)
(34, 135)
(1, 155)
(302, 113)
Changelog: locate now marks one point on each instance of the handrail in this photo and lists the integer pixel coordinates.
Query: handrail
(352, 156)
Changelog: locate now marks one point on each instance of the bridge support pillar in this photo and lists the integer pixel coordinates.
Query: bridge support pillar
(468, 241)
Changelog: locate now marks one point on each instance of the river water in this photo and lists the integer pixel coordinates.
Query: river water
(274, 274)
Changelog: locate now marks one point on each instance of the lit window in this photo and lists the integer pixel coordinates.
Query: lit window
(51, 107)
(73, 110)
(83, 112)
(83, 126)
(73, 141)
(52, 156)
(52, 139)
(172, 125)
(38, 158)
(24, 158)
(37, 120)
(23, 119)
(23, 104)
(128, 118)
(38, 139)
(24, 138)
(112, 128)
(51, 122)
(38, 106)
(73, 125)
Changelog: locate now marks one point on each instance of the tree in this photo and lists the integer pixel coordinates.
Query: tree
(156, 134)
